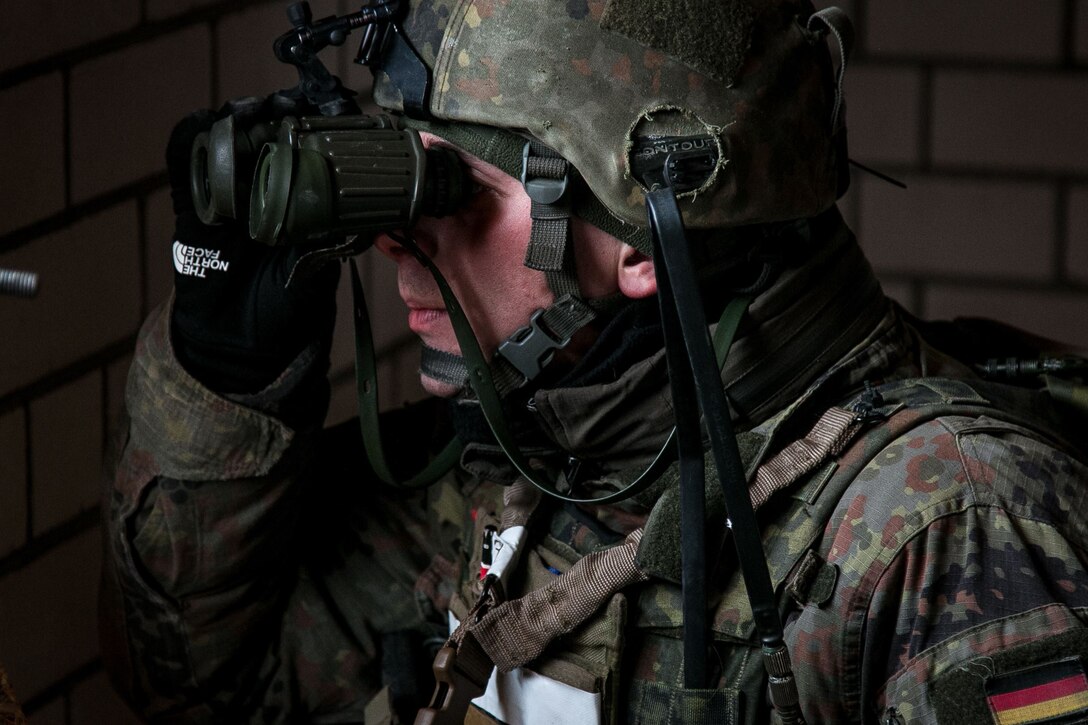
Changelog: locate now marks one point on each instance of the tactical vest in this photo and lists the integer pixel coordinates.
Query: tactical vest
(797, 541)
(590, 659)
(583, 659)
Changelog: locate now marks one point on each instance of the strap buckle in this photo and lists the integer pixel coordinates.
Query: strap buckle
(867, 408)
(531, 347)
(462, 668)
(542, 189)
(454, 690)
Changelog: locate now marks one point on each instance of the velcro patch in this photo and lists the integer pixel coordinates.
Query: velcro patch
(710, 36)
(998, 686)
(1056, 692)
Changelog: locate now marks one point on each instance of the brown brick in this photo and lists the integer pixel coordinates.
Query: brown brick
(32, 185)
(1076, 245)
(49, 614)
(882, 114)
(12, 481)
(66, 451)
(1011, 120)
(124, 105)
(974, 29)
(94, 702)
(160, 238)
(1056, 315)
(89, 296)
(160, 9)
(974, 228)
(246, 65)
(39, 29)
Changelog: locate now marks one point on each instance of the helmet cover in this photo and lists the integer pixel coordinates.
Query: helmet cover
(615, 85)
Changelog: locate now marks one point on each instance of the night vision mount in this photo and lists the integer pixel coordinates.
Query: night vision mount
(383, 47)
(340, 175)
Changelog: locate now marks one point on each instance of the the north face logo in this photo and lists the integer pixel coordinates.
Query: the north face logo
(195, 262)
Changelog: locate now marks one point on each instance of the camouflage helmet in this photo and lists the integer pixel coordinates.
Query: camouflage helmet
(615, 85)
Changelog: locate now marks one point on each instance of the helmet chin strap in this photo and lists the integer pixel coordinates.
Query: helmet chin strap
(522, 357)
(484, 379)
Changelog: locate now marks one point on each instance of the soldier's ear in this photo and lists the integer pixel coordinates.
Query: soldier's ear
(635, 272)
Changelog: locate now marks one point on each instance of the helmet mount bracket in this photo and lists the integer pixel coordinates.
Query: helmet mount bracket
(384, 46)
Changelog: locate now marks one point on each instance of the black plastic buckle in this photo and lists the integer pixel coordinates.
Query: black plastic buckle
(531, 347)
(866, 408)
(542, 190)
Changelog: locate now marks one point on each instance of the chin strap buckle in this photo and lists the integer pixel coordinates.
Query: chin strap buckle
(531, 347)
(545, 175)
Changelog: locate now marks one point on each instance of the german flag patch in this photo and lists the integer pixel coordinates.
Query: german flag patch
(1055, 693)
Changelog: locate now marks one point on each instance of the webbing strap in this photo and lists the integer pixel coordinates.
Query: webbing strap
(512, 631)
(443, 366)
(828, 437)
(567, 315)
(556, 608)
(522, 356)
(545, 176)
(526, 352)
(461, 673)
(449, 368)
(366, 383)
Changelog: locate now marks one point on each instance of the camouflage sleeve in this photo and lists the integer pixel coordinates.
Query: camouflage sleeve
(960, 551)
(212, 609)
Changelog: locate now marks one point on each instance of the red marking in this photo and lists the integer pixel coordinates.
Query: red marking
(1040, 693)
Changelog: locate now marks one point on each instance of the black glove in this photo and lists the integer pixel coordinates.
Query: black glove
(235, 327)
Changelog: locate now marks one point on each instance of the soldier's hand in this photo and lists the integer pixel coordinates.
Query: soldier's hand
(235, 326)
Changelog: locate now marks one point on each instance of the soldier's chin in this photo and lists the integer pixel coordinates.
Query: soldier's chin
(438, 388)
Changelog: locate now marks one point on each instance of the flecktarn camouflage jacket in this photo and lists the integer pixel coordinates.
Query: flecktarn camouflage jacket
(931, 568)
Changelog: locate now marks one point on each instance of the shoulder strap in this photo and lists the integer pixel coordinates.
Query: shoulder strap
(891, 410)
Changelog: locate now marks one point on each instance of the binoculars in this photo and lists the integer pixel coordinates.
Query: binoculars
(304, 179)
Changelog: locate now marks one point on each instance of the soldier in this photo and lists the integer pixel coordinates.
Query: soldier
(920, 525)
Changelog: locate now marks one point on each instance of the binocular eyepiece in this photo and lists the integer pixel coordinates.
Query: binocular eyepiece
(302, 179)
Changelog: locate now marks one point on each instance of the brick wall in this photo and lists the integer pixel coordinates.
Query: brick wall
(89, 93)
(977, 106)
